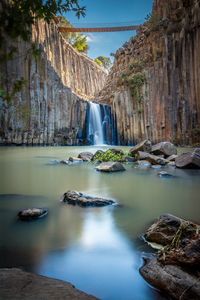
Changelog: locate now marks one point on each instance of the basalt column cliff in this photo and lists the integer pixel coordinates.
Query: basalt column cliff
(51, 106)
(154, 85)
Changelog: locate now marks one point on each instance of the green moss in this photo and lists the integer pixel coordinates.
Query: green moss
(109, 155)
(135, 82)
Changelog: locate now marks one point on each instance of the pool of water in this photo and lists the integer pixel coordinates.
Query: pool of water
(99, 250)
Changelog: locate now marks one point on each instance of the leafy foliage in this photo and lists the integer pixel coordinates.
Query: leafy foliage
(103, 61)
(77, 40)
(109, 155)
(17, 16)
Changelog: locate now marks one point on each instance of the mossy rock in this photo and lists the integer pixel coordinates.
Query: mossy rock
(109, 155)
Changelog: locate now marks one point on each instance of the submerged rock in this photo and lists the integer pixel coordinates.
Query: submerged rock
(144, 164)
(164, 148)
(190, 160)
(153, 159)
(32, 213)
(172, 279)
(164, 174)
(85, 156)
(110, 167)
(143, 146)
(130, 159)
(64, 162)
(19, 285)
(75, 160)
(80, 199)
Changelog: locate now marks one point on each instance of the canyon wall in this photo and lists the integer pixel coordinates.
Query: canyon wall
(56, 80)
(154, 84)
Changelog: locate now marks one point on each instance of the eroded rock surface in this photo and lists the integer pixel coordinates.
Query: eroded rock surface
(80, 199)
(16, 284)
(172, 279)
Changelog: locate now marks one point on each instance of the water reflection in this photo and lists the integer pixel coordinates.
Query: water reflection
(101, 261)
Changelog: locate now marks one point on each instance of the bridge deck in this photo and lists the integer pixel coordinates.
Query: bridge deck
(99, 29)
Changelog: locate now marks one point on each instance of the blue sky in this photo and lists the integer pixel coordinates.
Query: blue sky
(111, 11)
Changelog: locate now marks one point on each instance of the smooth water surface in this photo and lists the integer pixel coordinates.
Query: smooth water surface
(99, 250)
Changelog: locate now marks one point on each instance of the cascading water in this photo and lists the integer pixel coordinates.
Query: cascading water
(95, 124)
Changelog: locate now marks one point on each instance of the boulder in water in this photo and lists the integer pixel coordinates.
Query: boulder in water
(143, 146)
(85, 156)
(32, 213)
(153, 159)
(164, 148)
(80, 199)
(110, 167)
(189, 160)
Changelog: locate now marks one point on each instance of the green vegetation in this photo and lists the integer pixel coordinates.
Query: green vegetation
(77, 40)
(17, 16)
(109, 155)
(153, 21)
(103, 61)
(135, 82)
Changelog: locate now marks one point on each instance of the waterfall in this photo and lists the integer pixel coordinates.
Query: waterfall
(95, 124)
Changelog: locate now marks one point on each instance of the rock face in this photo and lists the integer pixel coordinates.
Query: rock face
(50, 108)
(154, 85)
(190, 160)
(19, 285)
(110, 167)
(32, 213)
(80, 199)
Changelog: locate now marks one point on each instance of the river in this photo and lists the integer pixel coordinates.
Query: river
(99, 250)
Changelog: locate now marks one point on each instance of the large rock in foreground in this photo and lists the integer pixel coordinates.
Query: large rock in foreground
(80, 199)
(32, 213)
(16, 284)
(176, 267)
(164, 148)
(110, 167)
(172, 279)
(190, 160)
(163, 230)
(143, 146)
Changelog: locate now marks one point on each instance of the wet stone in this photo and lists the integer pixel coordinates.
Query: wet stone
(84, 200)
(32, 213)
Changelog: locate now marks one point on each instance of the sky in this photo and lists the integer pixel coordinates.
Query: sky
(110, 11)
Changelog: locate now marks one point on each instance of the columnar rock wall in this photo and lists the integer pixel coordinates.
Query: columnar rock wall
(154, 85)
(51, 107)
